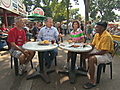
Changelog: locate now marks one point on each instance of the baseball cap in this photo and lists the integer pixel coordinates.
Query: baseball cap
(104, 24)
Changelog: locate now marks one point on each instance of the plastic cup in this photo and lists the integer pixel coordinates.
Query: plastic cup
(52, 41)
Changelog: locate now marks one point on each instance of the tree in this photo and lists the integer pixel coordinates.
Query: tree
(52, 8)
(77, 16)
(87, 5)
(28, 4)
(67, 4)
(58, 11)
(104, 8)
(32, 4)
(73, 12)
(47, 10)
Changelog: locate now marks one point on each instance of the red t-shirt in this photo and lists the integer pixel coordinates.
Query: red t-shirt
(17, 36)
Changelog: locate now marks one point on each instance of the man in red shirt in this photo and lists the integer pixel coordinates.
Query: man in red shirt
(16, 38)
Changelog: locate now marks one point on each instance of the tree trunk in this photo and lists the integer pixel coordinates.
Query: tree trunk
(67, 5)
(87, 4)
(101, 15)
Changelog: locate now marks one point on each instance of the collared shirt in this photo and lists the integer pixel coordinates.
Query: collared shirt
(48, 34)
(77, 35)
(116, 37)
(103, 42)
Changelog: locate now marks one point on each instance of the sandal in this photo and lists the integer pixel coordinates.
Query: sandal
(88, 85)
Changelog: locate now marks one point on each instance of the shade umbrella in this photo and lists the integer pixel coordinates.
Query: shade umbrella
(36, 15)
(36, 19)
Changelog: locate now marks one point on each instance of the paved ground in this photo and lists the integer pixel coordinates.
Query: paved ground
(8, 81)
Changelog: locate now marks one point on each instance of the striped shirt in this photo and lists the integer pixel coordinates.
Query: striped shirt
(48, 34)
(76, 35)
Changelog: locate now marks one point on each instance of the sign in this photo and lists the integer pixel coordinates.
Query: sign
(6, 3)
(39, 11)
(21, 8)
(15, 6)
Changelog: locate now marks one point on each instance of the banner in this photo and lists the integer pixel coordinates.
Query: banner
(39, 11)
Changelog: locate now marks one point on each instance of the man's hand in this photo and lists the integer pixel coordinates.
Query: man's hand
(60, 35)
(26, 53)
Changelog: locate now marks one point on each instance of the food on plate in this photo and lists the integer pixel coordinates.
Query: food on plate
(70, 41)
(75, 46)
(44, 42)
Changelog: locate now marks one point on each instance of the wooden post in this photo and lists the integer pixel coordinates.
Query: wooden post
(5, 17)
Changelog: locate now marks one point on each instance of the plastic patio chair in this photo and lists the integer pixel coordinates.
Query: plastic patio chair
(103, 65)
(16, 65)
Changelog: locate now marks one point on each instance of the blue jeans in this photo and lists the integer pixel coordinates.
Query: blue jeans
(50, 55)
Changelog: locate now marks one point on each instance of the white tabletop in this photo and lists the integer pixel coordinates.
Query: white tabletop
(67, 46)
(33, 46)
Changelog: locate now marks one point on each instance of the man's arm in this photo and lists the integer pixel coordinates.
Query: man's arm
(40, 35)
(16, 46)
(56, 34)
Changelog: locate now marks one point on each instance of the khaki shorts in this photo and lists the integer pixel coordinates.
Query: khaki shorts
(15, 53)
(106, 58)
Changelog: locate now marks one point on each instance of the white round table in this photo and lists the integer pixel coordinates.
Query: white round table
(67, 46)
(74, 51)
(33, 46)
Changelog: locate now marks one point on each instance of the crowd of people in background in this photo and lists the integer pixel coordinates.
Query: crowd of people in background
(32, 29)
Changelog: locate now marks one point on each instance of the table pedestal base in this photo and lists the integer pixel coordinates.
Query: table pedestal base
(72, 74)
(43, 75)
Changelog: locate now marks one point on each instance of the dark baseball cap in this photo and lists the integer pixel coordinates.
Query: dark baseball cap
(104, 24)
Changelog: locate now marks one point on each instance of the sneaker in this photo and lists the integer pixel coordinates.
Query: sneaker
(20, 69)
(24, 68)
(66, 65)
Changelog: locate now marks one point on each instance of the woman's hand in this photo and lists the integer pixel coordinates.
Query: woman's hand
(73, 40)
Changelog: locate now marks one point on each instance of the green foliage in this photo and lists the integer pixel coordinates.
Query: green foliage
(58, 11)
(52, 8)
(77, 16)
(73, 12)
(28, 4)
(104, 8)
(47, 10)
